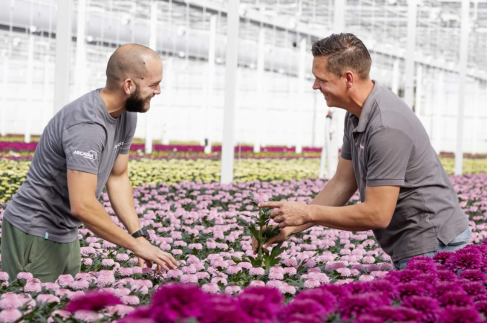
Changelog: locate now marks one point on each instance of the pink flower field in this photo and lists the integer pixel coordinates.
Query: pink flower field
(323, 275)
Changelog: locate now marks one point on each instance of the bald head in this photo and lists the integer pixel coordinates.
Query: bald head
(130, 61)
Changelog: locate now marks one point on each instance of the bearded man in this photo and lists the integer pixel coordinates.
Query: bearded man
(84, 148)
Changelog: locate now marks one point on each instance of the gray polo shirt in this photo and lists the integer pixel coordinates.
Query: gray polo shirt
(82, 136)
(390, 147)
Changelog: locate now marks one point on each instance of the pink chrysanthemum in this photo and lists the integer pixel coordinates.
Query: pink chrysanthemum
(87, 316)
(211, 288)
(257, 271)
(8, 316)
(130, 300)
(24, 275)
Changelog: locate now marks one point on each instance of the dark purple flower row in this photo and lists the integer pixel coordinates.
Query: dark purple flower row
(21, 146)
(447, 288)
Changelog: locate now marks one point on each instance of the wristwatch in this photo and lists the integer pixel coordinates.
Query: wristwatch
(141, 233)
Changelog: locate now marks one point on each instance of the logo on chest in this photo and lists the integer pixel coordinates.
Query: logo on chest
(362, 147)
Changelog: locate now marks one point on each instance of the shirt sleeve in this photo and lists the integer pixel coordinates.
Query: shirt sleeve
(346, 148)
(389, 153)
(83, 145)
(131, 126)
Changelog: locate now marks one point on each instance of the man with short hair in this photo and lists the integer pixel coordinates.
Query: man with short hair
(407, 198)
(84, 148)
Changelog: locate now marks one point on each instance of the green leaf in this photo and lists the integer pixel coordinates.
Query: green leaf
(242, 222)
(255, 233)
(236, 260)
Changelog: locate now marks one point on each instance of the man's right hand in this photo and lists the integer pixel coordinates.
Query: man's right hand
(152, 254)
(282, 236)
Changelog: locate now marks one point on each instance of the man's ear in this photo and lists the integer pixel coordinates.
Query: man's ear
(349, 78)
(128, 86)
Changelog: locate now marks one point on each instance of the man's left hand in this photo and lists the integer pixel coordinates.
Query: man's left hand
(288, 213)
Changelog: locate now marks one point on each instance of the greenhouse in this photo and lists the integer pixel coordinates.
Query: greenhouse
(261, 161)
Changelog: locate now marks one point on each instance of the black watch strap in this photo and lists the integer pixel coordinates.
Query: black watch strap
(141, 233)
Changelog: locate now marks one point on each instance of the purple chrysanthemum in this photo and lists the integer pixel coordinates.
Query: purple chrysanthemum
(302, 318)
(385, 286)
(178, 301)
(463, 259)
(396, 314)
(223, 309)
(413, 288)
(405, 276)
(430, 277)
(93, 301)
(142, 314)
(422, 263)
(306, 307)
(473, 275)
(446, 275)
(455, 314)
(359, 287)
(355, 305)
(339, 291)
(442, 256)
(482, 307)
(455, 299)
(442, 287)
(325, 298)
(428, 307)
(473, 289)
(368, 318)
(262, 304)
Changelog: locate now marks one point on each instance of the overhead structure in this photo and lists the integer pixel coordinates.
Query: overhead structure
(192, 36)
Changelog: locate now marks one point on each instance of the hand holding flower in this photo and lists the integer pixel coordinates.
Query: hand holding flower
(288, 213)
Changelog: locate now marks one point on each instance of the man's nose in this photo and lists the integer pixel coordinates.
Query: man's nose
(157, 90)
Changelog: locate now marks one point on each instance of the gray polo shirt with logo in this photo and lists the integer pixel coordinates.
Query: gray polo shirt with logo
(389, 146)
(82, 136)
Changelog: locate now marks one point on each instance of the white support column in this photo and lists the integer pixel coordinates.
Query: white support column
(80, 75)
(334, 129)
(299, 104)
(153, 45)
(411, 47)
(476, 110)
(230, 92)
(439, 106)
(46, 111)
(168, 99)
(419, 89)
(396, 75)
(462, 79)
(325, 150)
(260, 91)
(332, 145)
(210, 85)
(5, 70)
(339, 16)
(30, 76)
(63, 64)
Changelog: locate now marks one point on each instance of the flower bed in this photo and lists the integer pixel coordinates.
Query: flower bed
(198, 224)
(170, 171)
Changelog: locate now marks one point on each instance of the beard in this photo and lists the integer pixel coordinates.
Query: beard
(135, 103)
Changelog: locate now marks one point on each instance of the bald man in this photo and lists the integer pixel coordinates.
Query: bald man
(84, 148)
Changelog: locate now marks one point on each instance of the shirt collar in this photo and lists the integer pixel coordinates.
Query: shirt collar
(366, 109)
